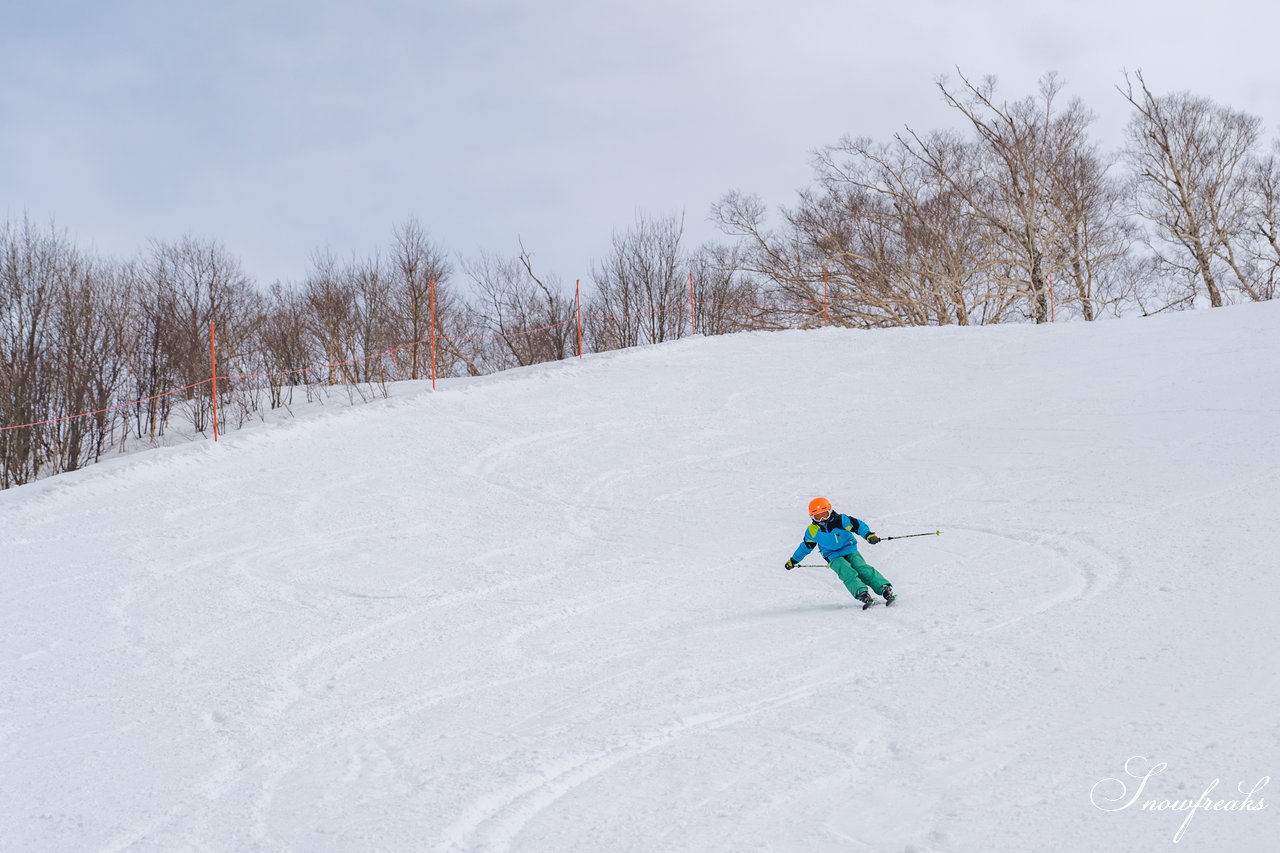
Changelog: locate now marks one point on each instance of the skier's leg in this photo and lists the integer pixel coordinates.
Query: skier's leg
(848, 574)
(867, 573)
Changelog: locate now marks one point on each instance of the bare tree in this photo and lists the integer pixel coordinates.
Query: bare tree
(283, 342)
(726, 300)
(526, 318)
(1095, 257)
(331, 313)
(899, 245)
(33, 262)
(936, 228)
(785, 258)
(1191, 159)
(1262, 217)
(372, 283)
(63, 350)
(419, 266)
(1023, 146)
(184, 286)
(88, 362)
(903, 246)
(640, 294)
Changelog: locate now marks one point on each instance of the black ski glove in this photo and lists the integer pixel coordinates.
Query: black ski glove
(791, 564)
(872, 538)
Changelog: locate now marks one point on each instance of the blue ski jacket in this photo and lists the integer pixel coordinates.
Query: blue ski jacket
(834, 537)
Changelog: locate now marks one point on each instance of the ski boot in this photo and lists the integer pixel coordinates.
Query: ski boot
(887, 594)
(865, 598)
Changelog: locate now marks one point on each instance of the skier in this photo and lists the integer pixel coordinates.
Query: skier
(833, 533)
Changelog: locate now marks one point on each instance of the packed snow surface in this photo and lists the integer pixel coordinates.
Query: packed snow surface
(546, 610)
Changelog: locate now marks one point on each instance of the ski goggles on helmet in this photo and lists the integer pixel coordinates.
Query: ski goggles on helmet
(819, 509)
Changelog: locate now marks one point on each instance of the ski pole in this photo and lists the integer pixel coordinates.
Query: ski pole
(910, 536)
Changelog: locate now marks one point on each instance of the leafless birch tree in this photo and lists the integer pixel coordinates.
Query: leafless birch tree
(1023, 147)
(1190, 158)
(1262, 222)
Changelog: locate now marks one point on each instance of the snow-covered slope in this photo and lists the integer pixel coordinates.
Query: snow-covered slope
(546, 610)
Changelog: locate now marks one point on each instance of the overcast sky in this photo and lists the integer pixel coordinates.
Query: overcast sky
(281, 127)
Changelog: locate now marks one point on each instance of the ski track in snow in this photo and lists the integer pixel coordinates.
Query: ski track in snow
(546, 610)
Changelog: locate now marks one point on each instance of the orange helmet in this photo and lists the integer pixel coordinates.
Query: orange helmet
(819, 507)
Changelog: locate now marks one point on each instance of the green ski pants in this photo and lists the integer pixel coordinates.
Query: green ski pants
(856, 574)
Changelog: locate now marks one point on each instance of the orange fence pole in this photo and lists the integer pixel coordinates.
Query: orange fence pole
(213, 361)
(433, 334)
(577, 295)
(824, 297)
(693, 319)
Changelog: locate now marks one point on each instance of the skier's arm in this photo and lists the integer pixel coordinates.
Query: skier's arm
(860, 527)
(803, 550)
